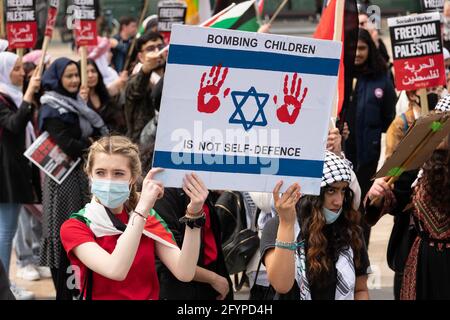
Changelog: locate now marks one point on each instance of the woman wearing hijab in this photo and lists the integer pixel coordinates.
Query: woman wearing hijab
(72, 125)
(16, 110)
(102, 102)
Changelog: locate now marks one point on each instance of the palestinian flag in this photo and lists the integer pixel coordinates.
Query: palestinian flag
(242, 17)
(96, 218)
(349, 38)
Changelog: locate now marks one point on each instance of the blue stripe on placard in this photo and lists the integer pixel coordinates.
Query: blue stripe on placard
(237, 164)
(231, 58)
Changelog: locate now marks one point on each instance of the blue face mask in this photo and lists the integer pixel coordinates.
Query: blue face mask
(331, 216)
(111, 194)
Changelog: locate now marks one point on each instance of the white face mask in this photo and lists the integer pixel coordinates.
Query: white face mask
(331, 216)
(112, 194)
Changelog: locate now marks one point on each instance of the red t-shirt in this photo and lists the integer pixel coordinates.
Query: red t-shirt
(209, 242)
(141, 282)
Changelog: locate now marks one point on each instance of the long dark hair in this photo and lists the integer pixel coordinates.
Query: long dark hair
(375, 65)
(435, 181)
(100, 88)
(323, 247)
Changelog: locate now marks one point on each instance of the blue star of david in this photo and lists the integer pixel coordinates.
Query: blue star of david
(260, 99)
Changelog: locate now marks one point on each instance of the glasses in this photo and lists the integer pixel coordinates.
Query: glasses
(152, 48)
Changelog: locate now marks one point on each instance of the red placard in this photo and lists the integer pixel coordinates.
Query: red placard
(417, 49)
(86, 33)
(51, 17)
(21, 25)
(85, 23)
(421, 72)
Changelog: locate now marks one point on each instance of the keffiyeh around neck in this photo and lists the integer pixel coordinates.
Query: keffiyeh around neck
(89, 119)
(345, 272)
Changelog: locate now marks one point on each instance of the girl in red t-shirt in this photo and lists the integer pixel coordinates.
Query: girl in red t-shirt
(119, 243)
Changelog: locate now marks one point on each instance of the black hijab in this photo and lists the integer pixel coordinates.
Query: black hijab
(51, 80)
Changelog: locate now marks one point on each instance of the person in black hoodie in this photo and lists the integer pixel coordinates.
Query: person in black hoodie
(211, 280)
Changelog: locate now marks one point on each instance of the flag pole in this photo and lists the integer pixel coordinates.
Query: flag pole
(133, 42)
(45, 45)
(280, 7)
(337, 36)
(217, 15)
(2, 20)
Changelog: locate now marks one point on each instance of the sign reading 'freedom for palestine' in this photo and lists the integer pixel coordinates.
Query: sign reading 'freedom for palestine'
(417, 47)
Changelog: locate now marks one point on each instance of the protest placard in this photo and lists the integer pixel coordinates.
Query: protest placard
(170, 12)
(245, 110)
(21, 25)
(417, 146)
(85, 23)
(52, 13)
(46, 154)
(432, 5)
(417, 49)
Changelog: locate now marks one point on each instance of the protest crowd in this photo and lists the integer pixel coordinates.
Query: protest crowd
(94, 212)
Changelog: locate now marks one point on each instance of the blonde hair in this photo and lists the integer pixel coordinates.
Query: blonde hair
(122, 146)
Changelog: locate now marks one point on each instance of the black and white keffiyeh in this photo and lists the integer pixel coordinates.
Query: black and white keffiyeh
(443, 104)
(335, 169)
(345, 273)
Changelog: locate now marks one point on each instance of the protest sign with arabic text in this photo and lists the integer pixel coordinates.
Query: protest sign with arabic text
(85, 23)
(417, 49)
(51, 17)
(21, 25)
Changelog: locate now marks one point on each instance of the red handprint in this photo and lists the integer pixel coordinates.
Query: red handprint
(292, 99)
(212, 87)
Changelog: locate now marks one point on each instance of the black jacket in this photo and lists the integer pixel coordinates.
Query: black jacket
(371, 115)
(65, 130)
(15, 172)
(171, 208)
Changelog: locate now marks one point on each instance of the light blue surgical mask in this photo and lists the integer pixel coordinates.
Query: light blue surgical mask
(331, 216)
(111, 194)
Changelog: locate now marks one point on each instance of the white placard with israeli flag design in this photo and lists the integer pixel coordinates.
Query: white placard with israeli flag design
(245, 110)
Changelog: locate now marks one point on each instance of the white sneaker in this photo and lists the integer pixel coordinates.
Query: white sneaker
(44, 272)
(21, 293)
(28, 272)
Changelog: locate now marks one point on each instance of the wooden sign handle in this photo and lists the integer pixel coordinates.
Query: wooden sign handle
(83, 66)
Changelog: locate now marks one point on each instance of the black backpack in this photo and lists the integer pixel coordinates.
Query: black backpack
(239, 243)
